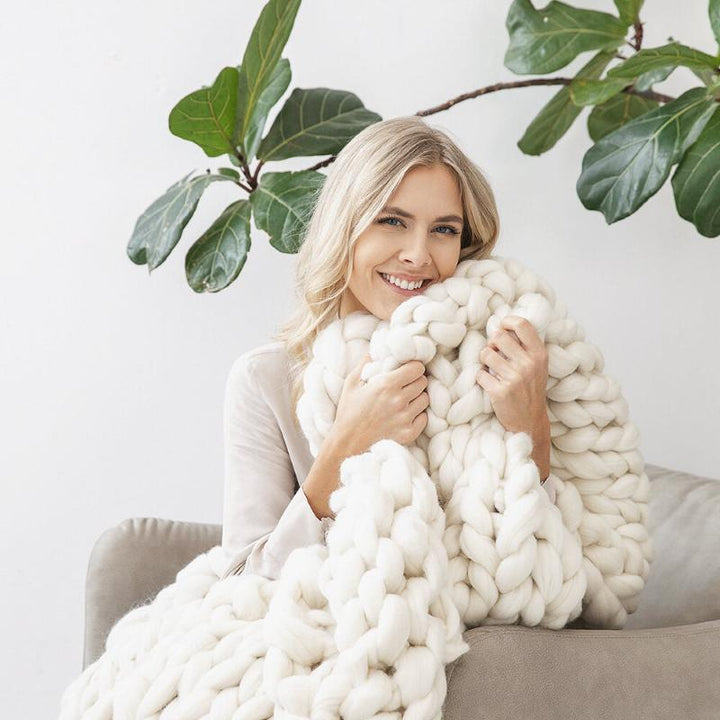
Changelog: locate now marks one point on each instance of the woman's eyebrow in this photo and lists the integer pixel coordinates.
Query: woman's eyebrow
(404, 213)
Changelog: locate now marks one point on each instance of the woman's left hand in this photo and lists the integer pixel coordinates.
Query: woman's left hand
(517, 391)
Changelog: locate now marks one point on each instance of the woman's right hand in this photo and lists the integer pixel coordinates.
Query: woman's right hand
(392, 406)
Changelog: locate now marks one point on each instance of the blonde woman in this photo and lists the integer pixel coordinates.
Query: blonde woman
(400, 207)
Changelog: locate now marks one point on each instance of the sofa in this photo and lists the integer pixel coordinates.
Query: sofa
(665, 662)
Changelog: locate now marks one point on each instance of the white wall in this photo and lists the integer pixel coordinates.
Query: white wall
(112, 380)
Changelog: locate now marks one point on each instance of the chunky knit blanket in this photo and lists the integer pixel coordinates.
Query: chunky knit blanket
(451, 532)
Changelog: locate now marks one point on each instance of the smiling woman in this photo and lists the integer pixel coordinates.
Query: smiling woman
(394, 259)
(400, 207)
(401, 203)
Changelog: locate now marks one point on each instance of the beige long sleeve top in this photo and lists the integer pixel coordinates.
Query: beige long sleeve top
(266, 513)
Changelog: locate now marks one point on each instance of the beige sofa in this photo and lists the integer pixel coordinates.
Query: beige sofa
(664, 664)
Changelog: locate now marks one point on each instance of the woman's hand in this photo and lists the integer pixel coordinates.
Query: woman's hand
(517, 391)
(392, 406)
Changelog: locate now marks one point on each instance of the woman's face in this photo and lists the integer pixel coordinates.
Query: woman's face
(416, 236)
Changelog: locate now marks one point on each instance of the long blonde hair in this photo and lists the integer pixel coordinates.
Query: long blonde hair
(359, 183)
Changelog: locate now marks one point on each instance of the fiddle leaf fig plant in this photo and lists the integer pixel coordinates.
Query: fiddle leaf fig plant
(207, 116)
(229, 118)
(555, 119)
(696, 182)
(542, 41)
(158, 229)
(282, 204)
(624, 168)
(639, 134)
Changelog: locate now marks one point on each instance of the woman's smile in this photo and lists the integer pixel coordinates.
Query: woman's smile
(401, 291)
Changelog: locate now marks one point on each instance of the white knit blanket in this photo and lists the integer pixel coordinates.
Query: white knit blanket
(451, 532)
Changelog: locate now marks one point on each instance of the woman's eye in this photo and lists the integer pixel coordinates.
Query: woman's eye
(387, 221)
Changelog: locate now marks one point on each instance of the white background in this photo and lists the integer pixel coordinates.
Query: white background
(112, 379)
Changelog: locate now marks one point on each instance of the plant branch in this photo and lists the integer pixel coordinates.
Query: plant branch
(490, 89)
(637, 40)
(647, 94)
(257, 170)
(252, 180)
(325, 162)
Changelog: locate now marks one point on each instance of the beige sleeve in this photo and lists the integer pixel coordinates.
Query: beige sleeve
(264, 518)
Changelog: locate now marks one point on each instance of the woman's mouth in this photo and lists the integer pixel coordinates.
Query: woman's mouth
(405, 293)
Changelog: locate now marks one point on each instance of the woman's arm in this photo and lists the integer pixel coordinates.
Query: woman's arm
(264, 518)
(324, 475)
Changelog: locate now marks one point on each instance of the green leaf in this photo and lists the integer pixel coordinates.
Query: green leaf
(696, 182)
(207, 116)
(616, 112)
(625, 168)
(230, 172)
(714, 12)
(219, 254)
(258, 73)
(629, 10)
(707, 76)
(673, 54)
(277, 84)
(542, 41)
(557, 115)
(595, 92)
(648, 79)
(158, 229)
(315, 121)
(282, 205)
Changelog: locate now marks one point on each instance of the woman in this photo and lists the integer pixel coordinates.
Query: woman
(400, 207)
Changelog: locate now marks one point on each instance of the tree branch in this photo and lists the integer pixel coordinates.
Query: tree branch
(648, 94)
(323, 163)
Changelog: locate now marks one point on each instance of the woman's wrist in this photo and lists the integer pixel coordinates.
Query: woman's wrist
(541, 448)
(324, 475)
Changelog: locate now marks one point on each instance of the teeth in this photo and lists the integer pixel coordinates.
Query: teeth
(404, 284)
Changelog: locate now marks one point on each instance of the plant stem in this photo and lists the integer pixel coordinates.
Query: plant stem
(637, 40)
(257, 170)
(252, 181)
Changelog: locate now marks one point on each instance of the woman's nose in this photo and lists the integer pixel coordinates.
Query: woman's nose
(416, 249)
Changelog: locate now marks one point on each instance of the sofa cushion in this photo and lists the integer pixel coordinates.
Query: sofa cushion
(683, 586)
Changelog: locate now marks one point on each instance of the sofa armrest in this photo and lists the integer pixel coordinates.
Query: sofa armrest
(512, 671)
(130, 563)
